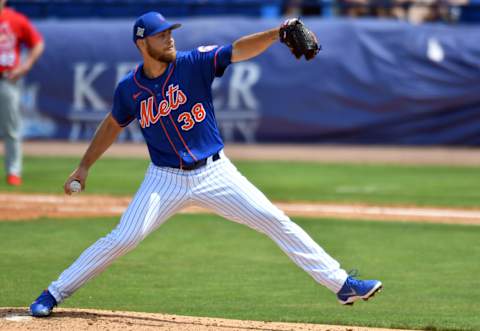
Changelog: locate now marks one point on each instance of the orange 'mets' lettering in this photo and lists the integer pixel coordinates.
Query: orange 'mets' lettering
(175, 98)
(146, 108)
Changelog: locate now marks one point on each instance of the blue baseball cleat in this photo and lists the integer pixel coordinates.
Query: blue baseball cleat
(355, 289)
(42, 307)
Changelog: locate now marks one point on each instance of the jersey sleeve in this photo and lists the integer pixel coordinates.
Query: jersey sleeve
(121, 109)
(213, 60)
(30, 35)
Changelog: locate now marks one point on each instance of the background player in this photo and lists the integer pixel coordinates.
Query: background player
(15, 31)
(170, 95)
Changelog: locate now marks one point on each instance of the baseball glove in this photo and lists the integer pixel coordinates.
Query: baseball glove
(299, 39)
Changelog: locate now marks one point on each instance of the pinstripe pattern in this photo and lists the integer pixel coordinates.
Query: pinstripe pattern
(224, 190)
(218, 186)
(161, 195)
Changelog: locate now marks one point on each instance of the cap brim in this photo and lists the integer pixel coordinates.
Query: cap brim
(169, 26)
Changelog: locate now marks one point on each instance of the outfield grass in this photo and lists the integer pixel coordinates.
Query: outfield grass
(205, 266)
(287, 181)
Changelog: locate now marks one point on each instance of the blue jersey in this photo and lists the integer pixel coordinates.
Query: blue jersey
(175, 110)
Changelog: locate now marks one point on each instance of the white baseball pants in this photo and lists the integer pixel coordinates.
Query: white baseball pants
(10, 126)
(217, 186)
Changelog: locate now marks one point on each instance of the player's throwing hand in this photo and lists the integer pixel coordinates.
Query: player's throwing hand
(80, 176)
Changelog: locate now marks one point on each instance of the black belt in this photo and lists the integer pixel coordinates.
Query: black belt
(200, 163)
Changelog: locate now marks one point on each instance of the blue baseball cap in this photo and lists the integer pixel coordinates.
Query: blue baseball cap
(151, 23)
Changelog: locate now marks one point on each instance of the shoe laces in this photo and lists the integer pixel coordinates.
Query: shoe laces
(47, 298)
(353, 273)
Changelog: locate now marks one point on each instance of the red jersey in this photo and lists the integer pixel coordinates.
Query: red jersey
(15, 31)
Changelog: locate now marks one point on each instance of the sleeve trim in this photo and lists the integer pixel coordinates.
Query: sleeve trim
(215, 59)
(126, 123)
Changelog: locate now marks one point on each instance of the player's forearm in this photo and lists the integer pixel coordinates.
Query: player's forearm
(252, 45)
(105, 135)
(34, 54)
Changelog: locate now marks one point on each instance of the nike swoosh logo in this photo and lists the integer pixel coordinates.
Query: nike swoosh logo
(136, 95)
(352, 292)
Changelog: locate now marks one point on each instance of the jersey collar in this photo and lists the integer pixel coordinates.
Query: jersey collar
(144, 79)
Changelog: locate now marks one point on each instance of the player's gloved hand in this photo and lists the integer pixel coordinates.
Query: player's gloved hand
(299, 39)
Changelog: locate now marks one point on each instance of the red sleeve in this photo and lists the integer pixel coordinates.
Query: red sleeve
(30, 35)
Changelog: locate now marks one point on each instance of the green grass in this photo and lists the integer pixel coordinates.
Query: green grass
(205, 266)
(288, 181)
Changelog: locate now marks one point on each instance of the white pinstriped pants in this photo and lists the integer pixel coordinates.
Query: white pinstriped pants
(217, 186)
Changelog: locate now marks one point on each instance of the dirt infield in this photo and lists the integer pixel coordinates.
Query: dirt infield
(31, 206)
(17, 319)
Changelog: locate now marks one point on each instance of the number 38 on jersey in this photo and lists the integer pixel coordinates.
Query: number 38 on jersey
(175, 99)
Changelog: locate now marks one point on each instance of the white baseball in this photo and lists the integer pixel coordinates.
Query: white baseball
(75, 186)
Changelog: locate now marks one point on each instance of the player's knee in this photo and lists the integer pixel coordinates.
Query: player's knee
(12, 134)
(129, 242)
(278, 221)
(124, 241)
(273, 216)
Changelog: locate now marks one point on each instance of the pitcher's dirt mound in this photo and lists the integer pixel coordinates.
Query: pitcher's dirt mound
(17, 319)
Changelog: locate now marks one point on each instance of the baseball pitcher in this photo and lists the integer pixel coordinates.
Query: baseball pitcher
(170, 95)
